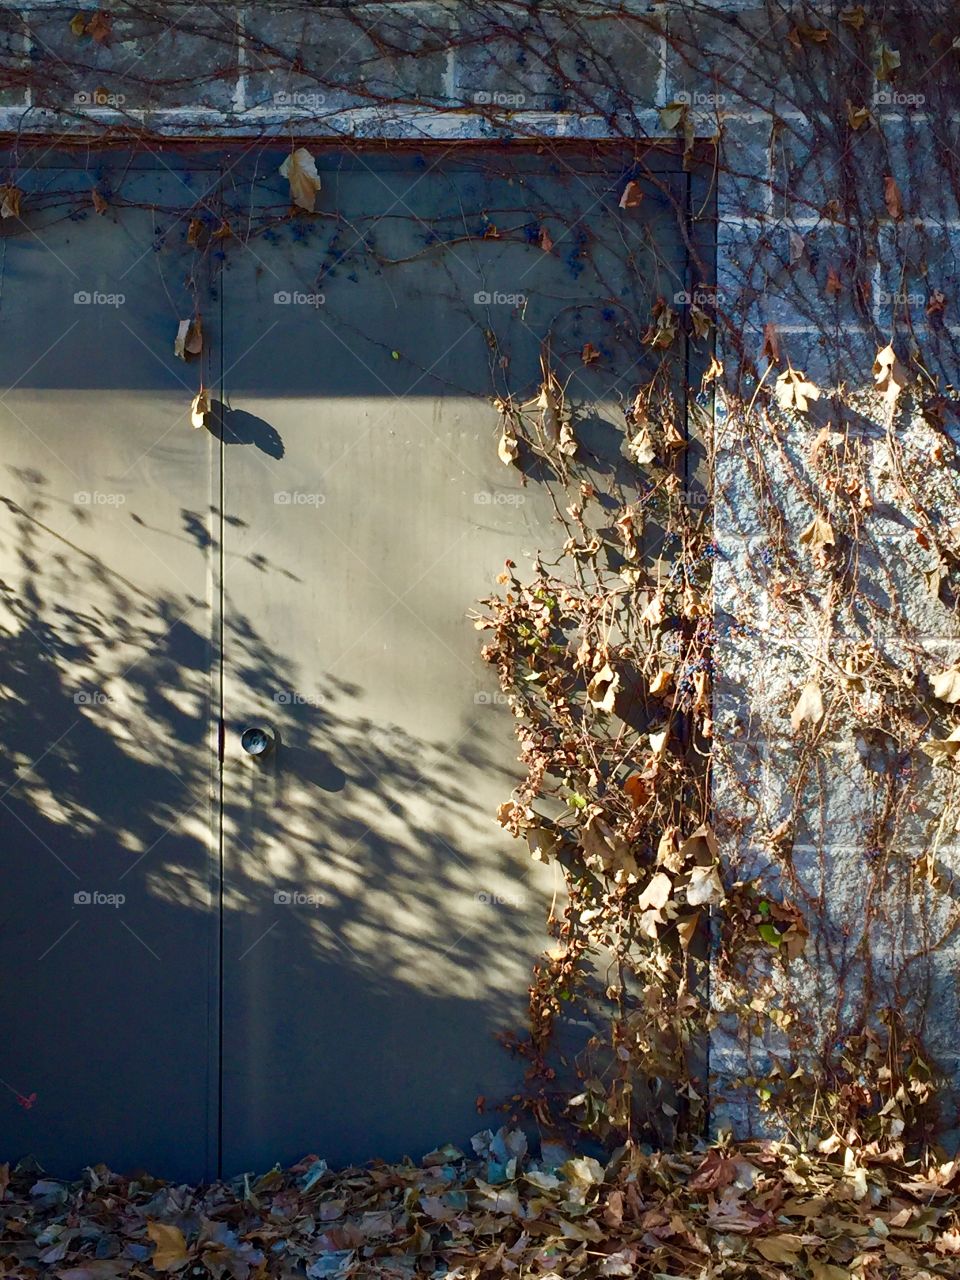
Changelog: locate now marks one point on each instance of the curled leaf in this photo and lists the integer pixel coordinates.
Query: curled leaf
(200, 407)
(946, 686)
(793, 391)
(809, 708)
(300, 170)
(632, 195)
(602, 689)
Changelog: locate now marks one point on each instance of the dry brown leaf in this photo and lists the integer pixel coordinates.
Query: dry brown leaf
(189, 339)
(10, 197)
(946, 686)
(508, 448)
(300, 170)
(705, 887)
(857, 117)
(171, 1252)
(771, 345)
(892, 198)
(589, 354)
(99, 204)
(889, 374)
(602, 689)
(793, 391)
(546, 240)
(632, 196)
(809, 708)
(818, 534)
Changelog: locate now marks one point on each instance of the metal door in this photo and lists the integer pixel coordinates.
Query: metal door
(315, 944)
(108, 662)
(379, 928)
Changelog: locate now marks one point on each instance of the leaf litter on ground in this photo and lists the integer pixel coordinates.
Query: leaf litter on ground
(760, 1210)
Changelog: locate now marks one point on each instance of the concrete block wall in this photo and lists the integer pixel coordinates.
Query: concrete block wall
(805, 242)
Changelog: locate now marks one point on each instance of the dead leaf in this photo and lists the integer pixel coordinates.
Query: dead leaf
(793, 391)
(818, 535)
(673, 115)
(809, 708)
(99, 27)
(200, 407)
(632, 196)
(705, 887)
(940, 750)
(10, 197)
(99, 204)
(189, 339)
(892, 198)
(602, 689)
(300, 170)
(171, 1252)
(946, 686)
(771, 345)
(546, 242)
(508, 448)
(589, 354)
(889, 374)
(656, 894)
(888, 63)
(857, 117)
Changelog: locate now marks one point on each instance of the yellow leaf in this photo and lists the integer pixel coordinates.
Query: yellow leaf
(171, 1252)
(673, 115)
(300, 170)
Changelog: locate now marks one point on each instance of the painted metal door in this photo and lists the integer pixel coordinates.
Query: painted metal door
(378, 927)
(315, 945)
(108, 663)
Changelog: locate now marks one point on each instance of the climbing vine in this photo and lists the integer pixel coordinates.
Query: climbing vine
(735, 675)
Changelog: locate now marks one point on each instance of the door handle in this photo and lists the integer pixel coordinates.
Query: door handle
(256, 740)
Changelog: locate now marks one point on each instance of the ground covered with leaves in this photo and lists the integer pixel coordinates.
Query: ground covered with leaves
(760, 1210)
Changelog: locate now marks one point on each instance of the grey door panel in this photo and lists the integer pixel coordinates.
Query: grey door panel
(108, 938)
(314, 947)
(379, 927)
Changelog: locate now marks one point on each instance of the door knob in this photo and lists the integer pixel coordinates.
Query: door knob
(256, 741)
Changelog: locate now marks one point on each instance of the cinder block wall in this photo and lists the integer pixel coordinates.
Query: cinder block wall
(800, 194)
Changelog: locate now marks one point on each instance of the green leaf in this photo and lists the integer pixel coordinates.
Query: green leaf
(769, 933)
